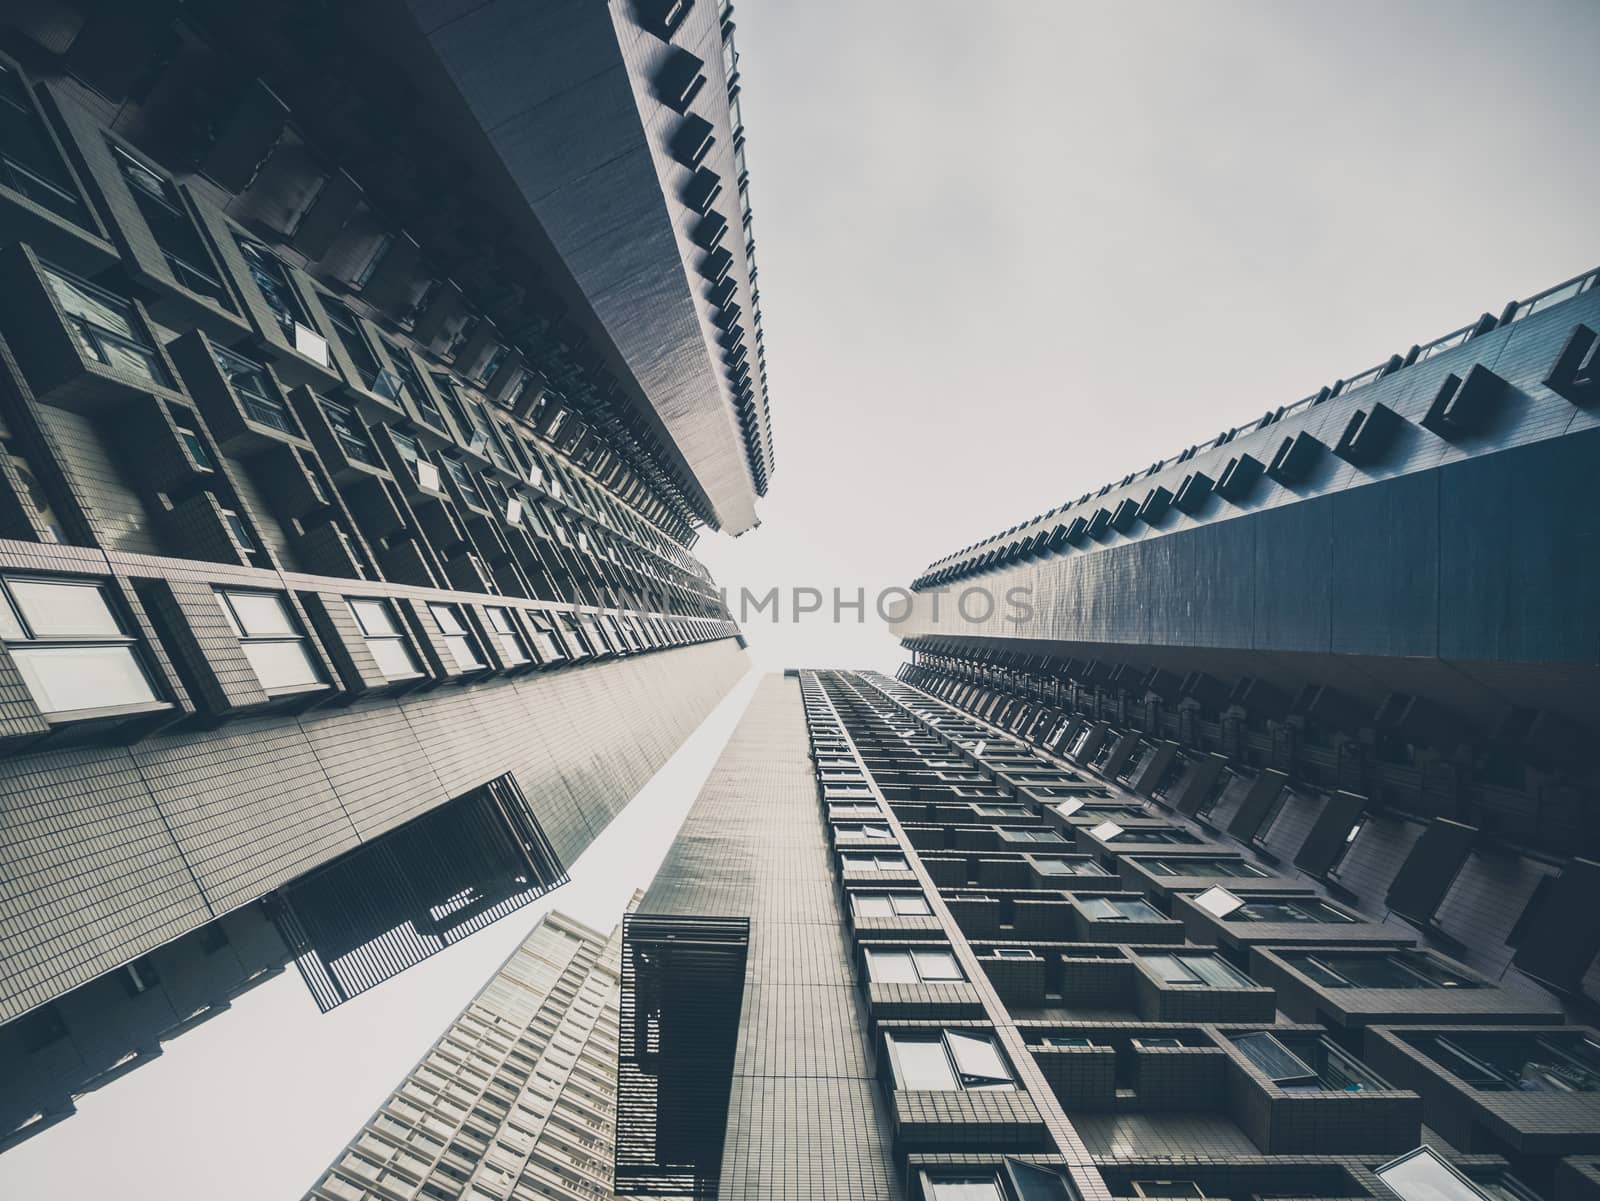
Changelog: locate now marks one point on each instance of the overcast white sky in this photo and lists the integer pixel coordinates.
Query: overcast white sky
(1012, 250)
(1007, 251)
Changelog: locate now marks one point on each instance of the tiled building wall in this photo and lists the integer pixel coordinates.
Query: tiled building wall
(92, 466)
(107, 852)
(805, 1118)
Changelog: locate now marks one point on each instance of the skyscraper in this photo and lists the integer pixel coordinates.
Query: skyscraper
(366, 372)
(1240, 853)
(933, 960)
(517, 1098)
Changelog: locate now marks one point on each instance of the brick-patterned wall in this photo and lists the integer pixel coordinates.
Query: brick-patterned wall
(1082, 1078)
(1179, 1078)
(999, 1119)
(90, 463)
(805, 1118)
(108, 852)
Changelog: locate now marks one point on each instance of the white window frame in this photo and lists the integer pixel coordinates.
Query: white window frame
(914, 958)
(509, 639)
(457, 635)
(851, 861)
(894, 1039)
(292, 635)
(892, 898)
(25, 642)
(396, 634)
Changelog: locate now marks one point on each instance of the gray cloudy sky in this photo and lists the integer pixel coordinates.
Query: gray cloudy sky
(1007, 251)
(1012, 250)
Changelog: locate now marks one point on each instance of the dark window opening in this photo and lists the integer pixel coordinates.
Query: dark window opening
(29, 162)
(174, 231)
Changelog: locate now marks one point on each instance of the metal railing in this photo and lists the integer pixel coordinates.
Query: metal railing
(682, 991)
(407, 895)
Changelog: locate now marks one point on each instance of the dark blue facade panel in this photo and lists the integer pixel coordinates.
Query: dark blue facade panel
(1293, 593)
(1490, 558)
(1519, 572)
(1383, 568)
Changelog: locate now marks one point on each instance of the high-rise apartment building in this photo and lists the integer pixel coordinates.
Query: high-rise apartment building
(366, 372)
(1384, 589)
(516, 1101)
(1245, 851)
(899, 951)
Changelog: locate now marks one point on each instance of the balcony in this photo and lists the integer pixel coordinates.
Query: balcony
(416, 890)
(1529, 1090)
(1362, 987)
(279, 304)
(41, 198)
(242, 400)
(80, 346)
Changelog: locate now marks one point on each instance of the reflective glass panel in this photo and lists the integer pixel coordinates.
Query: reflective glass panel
(67, 678)
(921, 1063)
(58, 609)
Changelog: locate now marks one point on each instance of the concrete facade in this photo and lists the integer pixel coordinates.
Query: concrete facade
(953, 989)
(516, 1097)
(347, 493)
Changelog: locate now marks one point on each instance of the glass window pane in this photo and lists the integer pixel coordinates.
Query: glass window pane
(911, 905)
(374, 617)
(281, 664)
(347, 428)
(56, 609)
(131, 360)
(868, 905)
(511, 649)
(1280, 1064)
(936, 965)
(890, 967)
(66, 678)
(1301, 912)
(466, 654)
(1040, 1184)
(1399, 970)
(978, 1060)
(1423, 1176)
(921, 1064)
(96, 307)
(394, 658)
(1216, 972)
(1219, 902)
(261, 614)
(1495, 1061)
(1169, 969)
(447, 617)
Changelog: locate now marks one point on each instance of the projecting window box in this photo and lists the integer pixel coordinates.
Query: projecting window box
(73, 651)
(385, 639)
(459, 639)
(272, 641)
